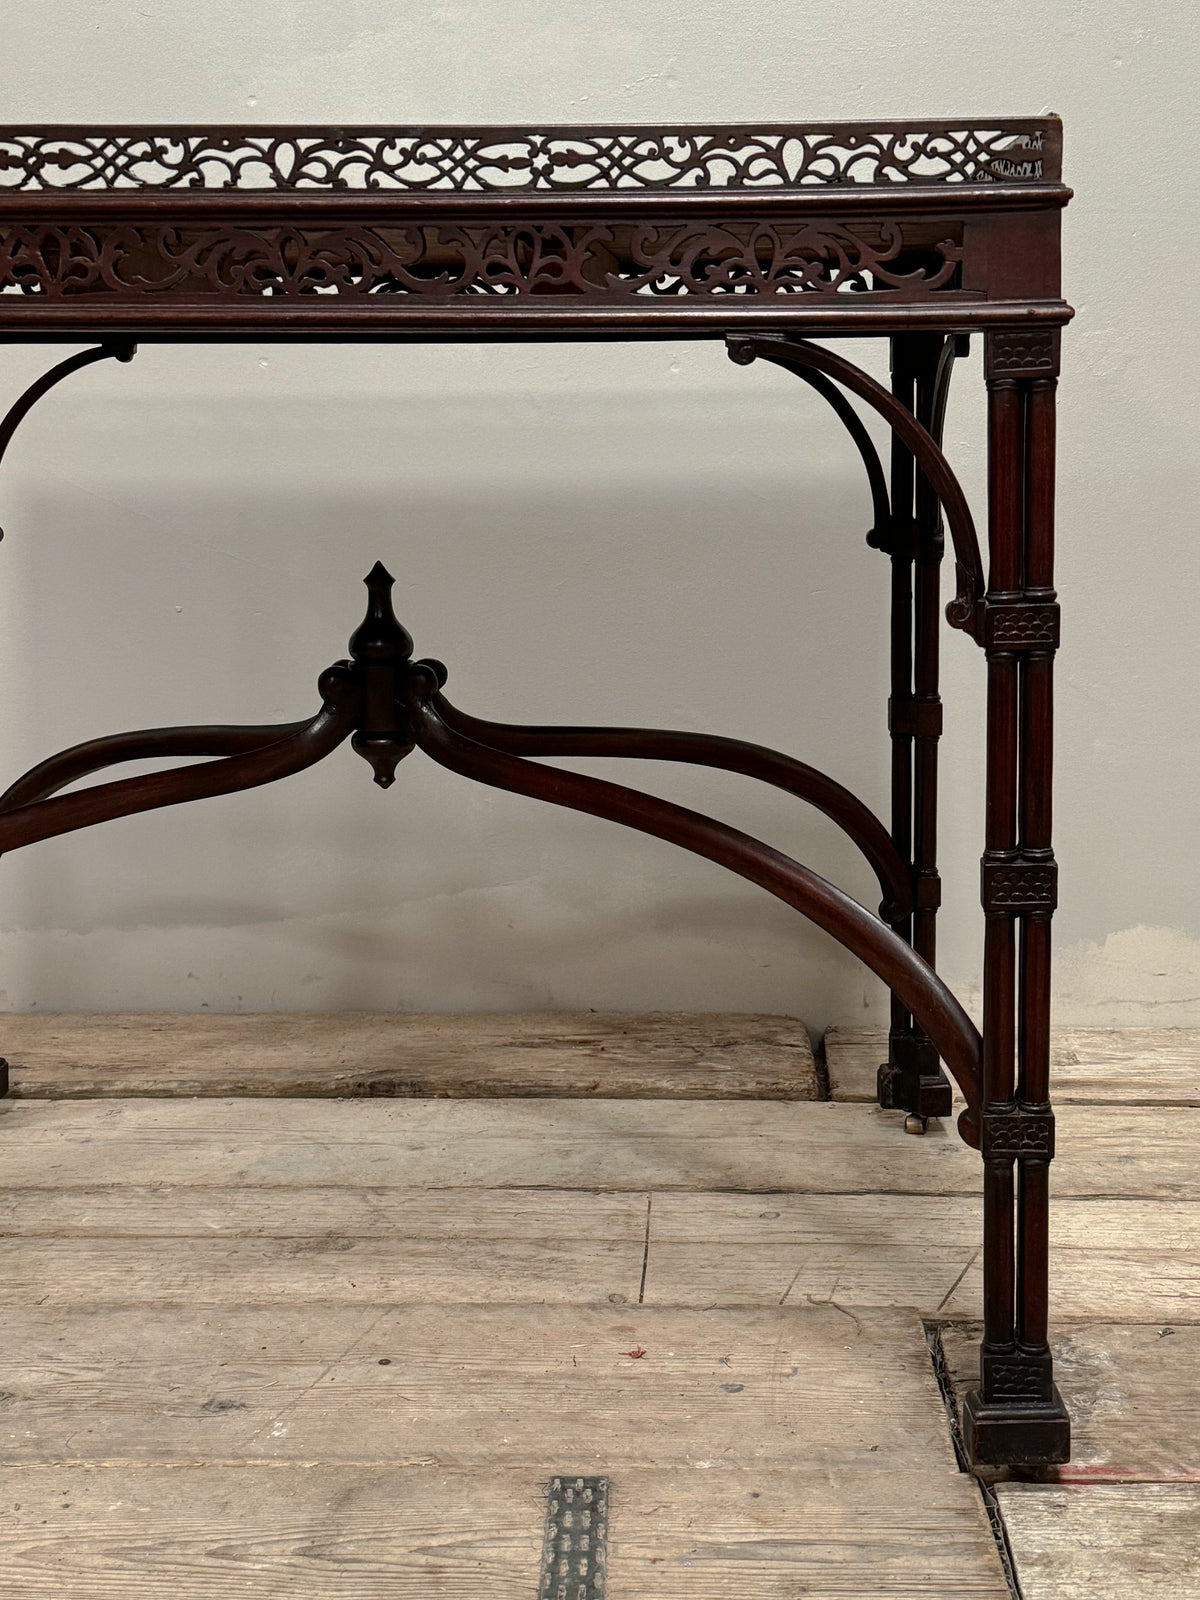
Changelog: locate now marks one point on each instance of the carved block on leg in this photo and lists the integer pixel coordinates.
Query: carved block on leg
(912, 1079)
(1016, 1374)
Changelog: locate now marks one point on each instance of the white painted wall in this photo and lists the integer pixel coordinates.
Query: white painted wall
(639, 534)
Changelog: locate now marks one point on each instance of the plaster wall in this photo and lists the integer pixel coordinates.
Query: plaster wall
(613, 534)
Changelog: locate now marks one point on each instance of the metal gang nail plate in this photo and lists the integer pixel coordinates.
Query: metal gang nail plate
(574, 1548)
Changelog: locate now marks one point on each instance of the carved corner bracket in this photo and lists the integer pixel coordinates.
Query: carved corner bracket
(802, 357)
(117, 349)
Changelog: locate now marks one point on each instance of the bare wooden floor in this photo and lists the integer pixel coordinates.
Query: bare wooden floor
(273, 1343)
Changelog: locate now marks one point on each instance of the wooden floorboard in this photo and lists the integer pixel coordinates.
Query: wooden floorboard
(310, 1271)
(1132, 1280)
(333, 1347)
(587, 1053)
(380, 1451)
(523, 1143)
(483, 1386)
(1104, 1542)
(418, 1533)
(334, 1212)
(1088, 1066)
(1136, 1259)
(823, 1147)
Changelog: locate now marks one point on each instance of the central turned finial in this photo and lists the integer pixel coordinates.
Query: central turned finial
(381, 648)
(380, 636)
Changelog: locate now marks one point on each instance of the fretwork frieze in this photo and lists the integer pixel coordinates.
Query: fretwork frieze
(439, 261)
(500, 160)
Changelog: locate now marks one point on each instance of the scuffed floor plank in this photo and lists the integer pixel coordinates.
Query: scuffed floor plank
(1104, 1542)
(600, 1144)
(138, 1211)
(1138, 1259)
(329, 1533)
(312, 1271)
(1139, 1282)
(547, 1143)
(815, 1274)
(704, 1057)
(236, 1353)
(486, 1386)
(1089, 1066)
(907, 1250)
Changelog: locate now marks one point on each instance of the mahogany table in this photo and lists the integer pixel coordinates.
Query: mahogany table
(763, 237)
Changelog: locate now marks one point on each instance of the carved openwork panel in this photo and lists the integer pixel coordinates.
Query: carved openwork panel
(445, 260)
(474, 160)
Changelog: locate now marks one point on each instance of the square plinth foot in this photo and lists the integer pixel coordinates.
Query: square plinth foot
(1023, 1433)
(926, 1094)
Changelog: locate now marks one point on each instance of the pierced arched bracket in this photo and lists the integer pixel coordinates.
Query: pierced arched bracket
(956, 345)
(801, 357)
(881, 505)
(111, 349)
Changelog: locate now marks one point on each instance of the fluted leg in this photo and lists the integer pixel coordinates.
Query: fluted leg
(1017, 1415)
(912, 1079)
